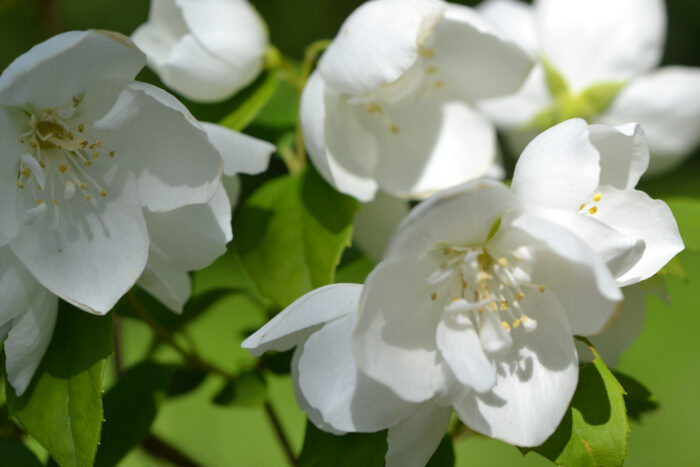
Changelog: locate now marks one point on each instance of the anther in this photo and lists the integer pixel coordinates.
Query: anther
(433, 296)
(54, 201)
(597, 197)
(87, 163)
(81, 127)
(62, 168)
(431, 70)
(394, 129)
(88, 197)
(505, 325)
(111, 153)
(542, 288)
(103, 193)
(439, 84)
(593, 210)
(582, 206)
(20, 184)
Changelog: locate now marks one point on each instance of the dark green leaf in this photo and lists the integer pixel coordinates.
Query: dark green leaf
(282, 110)
(323, 449)
(279, 363)
(249, 389)
(15, 453)
(291, 234)
(638, 399)
(594, 429)
(444, 455)
(62, 408)
(184, 380)
(130, 408)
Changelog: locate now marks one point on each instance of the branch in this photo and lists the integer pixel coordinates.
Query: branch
(160, 449)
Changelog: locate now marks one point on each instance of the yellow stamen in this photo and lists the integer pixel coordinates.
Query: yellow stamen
(593, 210)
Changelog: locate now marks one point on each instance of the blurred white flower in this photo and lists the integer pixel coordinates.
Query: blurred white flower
(204, 49)
(598, 60)
(390, 106)
(103, 178)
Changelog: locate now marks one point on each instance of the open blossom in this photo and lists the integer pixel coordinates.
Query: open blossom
(106, 181)
(390, 106)
(475, 303)
(204, 49)
(598, 60)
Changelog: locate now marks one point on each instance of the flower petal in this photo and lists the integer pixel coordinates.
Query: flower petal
(535, 382)
(29, 338)
(376, 222)
(559, 169)
(296, 322)
(473, 55)
(9, 171)
(413, 441)
(460, 346)
(169, 285)
(433, 143)
(377, 43)
(154, 136)
(157, 37)
(56, 70)
(341, 150)
(96, 253)
(394, 342)
(515, 19)
(17, 286)
(588, 292)
(347, 399)
(624, 155)
(638, 216)
(591, 41)
(241, 153)
(666, 103)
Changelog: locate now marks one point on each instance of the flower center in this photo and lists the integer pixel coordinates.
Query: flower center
(478, 284)
(59, 158)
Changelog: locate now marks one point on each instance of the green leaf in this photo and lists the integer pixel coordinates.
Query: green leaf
(282, 110)
(600, 96)
(16, 453)
(184, 380)
(556, 82)
(279, 363)
(674, 268)
(323, 449)
(249, 389)
(130, 407)
(291, 234)
(444, 455)
(251, 107)
(594, 429)
(62, 408)
(638, 399)
(687, 214)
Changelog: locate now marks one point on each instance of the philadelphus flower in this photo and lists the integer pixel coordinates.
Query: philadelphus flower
(598, 60)
(475, 303)
(204, 49)
(390, 106)
(105, 181)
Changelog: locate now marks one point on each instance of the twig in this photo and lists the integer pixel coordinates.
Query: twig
(160, 449)
(281, 436)
(49, 15)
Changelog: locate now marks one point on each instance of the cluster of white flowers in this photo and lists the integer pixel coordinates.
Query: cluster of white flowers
(107, 183)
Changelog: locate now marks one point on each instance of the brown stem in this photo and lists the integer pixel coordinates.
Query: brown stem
(281, 436)
(50, 16)
(160, 449)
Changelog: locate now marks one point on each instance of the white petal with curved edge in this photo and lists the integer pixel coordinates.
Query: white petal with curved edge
(461, 215)
(515, 20)
(96, 253)
(9, 171)
(199, 75)
(155, 137)
(460, 346)
(331, 383)
(291, 326)
(623, 328)
(619, 251)
(535, 382)
(54, 71)
(29, 338)
(635, 214)
(394, 342)
(517, 110)
(588, 292)
(378, 43)
(591, 41)
(241, 153)
(169, 285)
(17, 286)
(231, 30)
(436, 143)
(666, 102)
(560, 168)
(157, 37)
(624, 155)
(376, 222)
(413, 441)
(335, 139)
(475, 57)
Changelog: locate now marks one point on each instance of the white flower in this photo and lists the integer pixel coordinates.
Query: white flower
(600, 48)
(105, 181)
(204, 49)
(390, 106)
(475, 303)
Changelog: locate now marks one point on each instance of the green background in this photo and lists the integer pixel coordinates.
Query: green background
(666, 357)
